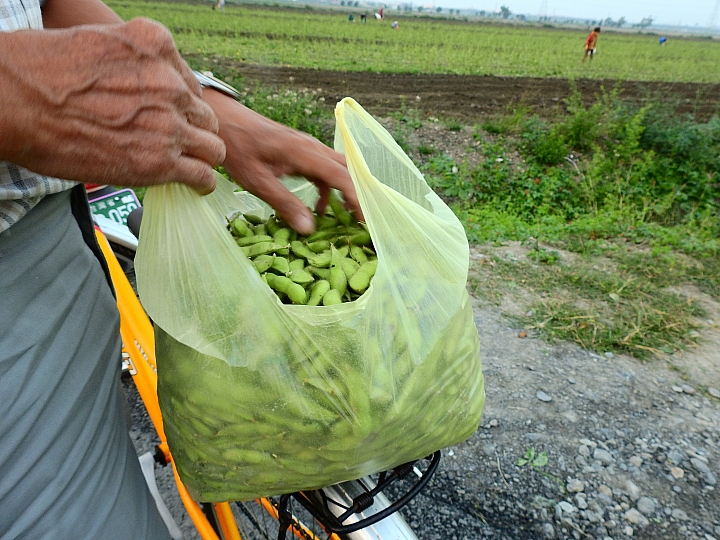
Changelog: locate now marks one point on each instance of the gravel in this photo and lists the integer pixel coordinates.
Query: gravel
(627, 456)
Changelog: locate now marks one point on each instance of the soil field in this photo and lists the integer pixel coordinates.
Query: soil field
(469, 98)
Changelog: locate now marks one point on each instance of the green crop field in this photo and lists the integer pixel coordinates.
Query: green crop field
(308, 38)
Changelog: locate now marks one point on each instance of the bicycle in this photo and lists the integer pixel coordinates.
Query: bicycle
(355, 510)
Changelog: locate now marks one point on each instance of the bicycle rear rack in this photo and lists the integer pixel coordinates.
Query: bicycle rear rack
(342, 508)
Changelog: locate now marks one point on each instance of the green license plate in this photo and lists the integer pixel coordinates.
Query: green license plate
(116, 206)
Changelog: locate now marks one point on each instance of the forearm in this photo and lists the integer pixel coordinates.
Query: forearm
(66, 13)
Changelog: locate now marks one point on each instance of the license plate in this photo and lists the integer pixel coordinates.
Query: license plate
(116, 206)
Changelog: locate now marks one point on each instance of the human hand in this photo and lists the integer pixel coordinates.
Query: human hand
(260, 151)
(111, 104)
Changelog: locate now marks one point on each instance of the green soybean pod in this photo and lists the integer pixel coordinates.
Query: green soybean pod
(349, 266)
(263, 262)
(271, 225)
(297, 293)
(361, 238)
(357, 253)
(360, 280)
(282, 236)
(319, 246)
(250, 240)
(325, 222)
(301, 250)
(253, 218)
(297, 264)
(321, 260)
(301, 276)
(318, 290)
(240, 226)
(332, 297)
(261, 248)
(338, 279)
(322, 273)
(280, 266)
(338, 209)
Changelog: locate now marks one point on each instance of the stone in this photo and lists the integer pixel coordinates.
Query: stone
(542, 396)
(603, 456)
(632, 490)
(679, 514)
(575, 486)
(714, 392)
(548, 530)
(686, 388)
(605, 490)
(636, 461)
(676, 456)
(646, 506)
(677, 472)
(700, 465)
(581, 501)
(584, 450)
(636, 518)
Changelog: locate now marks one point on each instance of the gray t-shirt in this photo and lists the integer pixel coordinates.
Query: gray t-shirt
(20, 189)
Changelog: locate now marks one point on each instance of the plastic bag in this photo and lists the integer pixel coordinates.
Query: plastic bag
(261, 398)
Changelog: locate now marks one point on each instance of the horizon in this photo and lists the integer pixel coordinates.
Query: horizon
(701, 13)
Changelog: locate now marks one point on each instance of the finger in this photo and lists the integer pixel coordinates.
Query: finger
(326, 169)
(322, 202)
(263, 184)
(194, 173)
(201, 115)
(203, 145)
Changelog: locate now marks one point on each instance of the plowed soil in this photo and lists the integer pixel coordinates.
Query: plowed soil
(469, 98)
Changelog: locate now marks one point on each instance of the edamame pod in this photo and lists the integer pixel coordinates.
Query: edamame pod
(332, 297)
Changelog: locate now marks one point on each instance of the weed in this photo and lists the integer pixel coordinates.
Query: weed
(535, 460)
(426, 150)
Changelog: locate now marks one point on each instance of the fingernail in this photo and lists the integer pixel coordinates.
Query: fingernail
(305, 224)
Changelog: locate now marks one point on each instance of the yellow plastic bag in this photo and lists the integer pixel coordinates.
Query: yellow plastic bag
(262, 398)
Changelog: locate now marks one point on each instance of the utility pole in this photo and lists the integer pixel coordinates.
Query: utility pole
(543, 10)
(713, 15)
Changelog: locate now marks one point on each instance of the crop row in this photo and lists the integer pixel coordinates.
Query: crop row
(307, 38)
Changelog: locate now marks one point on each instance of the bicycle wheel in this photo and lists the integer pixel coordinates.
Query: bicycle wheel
(257, 520)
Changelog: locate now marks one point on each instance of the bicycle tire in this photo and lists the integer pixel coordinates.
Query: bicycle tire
(256, 523)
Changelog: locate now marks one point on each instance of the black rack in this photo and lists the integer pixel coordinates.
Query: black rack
(318, 503)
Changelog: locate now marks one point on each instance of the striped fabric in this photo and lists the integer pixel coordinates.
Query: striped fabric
(20, 189)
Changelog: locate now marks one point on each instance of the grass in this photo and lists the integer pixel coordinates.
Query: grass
(601, 310)
(326, 40)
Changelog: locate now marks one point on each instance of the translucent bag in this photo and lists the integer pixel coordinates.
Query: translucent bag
(261, 398)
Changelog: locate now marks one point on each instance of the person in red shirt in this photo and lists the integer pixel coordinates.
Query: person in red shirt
(590, 43)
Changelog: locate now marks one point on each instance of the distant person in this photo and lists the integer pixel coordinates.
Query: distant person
(378, 17)
(363, 17)
(351, 18)
(395, 25)
(590, 44)
(663, 40)
(382, 13)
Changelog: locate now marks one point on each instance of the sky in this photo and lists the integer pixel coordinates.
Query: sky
(671, 12)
